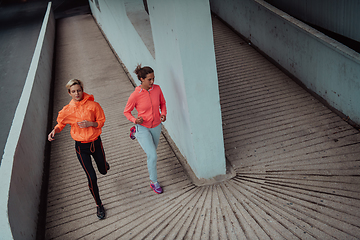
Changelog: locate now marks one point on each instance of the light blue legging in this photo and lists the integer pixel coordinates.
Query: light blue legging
(148, 139)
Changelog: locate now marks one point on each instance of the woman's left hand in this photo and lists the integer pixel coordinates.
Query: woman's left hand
(86, 124)
(163, 118)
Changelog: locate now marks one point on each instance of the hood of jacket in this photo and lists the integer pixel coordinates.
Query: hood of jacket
(86, 97)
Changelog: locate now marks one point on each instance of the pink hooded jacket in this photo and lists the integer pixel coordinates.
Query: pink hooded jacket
(148, 105)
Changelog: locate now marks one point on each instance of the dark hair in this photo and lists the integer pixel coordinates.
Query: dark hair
(141, 72)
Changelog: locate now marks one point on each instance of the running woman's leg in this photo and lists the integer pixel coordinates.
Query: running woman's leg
(155, 133)
(83, 153)
(146, 141)
(99, 157)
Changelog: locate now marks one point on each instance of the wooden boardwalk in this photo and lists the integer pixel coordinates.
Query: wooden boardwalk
(297, 163)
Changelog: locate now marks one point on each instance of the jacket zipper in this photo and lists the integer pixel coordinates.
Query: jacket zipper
(152, 112)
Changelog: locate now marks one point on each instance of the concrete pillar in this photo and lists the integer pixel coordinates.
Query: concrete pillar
(186, 71)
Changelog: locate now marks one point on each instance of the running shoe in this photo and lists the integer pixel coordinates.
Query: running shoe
(132, 132)
(100, 212)
(156, 187)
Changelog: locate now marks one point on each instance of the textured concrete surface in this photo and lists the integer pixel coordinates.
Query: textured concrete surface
(19, 30)
(328, 68)
(296, 163)
(22, 164)
(20, 23)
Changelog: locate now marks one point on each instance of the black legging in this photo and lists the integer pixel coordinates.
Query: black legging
(83, 152)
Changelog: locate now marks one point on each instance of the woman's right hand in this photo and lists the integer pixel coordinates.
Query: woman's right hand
(139, 120)
(51, 135)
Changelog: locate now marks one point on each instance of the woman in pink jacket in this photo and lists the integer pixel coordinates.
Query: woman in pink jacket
(148, 100)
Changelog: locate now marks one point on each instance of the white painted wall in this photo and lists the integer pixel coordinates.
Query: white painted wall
(324, 65)
(185, 53)
(121, 32)
(185, 68)
(21, 169)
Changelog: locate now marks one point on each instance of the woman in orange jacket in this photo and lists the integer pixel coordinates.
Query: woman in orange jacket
(86, 118)
(148, 100)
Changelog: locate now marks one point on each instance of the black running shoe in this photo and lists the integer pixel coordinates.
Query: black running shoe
(100, 212)
(107, 166)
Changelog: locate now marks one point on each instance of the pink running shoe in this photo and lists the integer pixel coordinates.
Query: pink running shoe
(156, 187)
(132, 132)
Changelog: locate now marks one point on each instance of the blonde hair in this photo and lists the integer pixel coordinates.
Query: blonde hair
(73, 82)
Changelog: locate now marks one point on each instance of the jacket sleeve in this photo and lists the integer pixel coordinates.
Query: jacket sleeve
(60, 120)
(162, 104)
(130, 105)
(100, 116)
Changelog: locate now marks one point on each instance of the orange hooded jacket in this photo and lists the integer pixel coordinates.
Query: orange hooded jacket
(75, 112)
